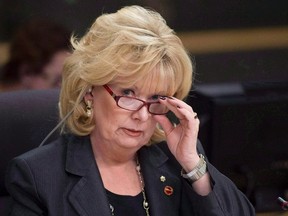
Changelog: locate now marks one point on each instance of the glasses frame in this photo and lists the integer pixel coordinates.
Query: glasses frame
(117, 98)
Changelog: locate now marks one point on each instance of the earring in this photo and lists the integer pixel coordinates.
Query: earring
(89, 108)
(90, 91)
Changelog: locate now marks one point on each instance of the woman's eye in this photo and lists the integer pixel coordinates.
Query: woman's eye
(128, 92)
(155, 97)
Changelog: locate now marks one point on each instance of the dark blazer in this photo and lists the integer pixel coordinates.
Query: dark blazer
(62, 178)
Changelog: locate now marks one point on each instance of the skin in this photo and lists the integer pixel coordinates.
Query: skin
(50, 77)
(182, 139)
(121, 133)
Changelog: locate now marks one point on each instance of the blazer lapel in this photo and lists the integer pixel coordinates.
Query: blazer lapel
(159, 182)
(88, 195)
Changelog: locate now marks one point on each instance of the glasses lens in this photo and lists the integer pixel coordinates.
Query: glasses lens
(158, 108)
(129, 103)
(134, 104)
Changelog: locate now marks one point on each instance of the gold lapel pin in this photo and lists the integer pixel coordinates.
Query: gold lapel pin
(162, 178)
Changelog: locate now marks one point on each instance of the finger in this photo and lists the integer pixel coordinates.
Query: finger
(165, 123)
(179, 103)
(176, 105)
(190, 121)
(182, 110)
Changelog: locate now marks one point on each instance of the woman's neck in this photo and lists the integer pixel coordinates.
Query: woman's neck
(117, 168)
(120, 178)
(108, 153)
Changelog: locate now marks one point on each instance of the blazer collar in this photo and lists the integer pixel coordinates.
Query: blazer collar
(158, 178)
(88, 196)
(80, 156)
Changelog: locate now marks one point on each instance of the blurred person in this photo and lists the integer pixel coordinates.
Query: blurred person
(37, 53)
(119, 154)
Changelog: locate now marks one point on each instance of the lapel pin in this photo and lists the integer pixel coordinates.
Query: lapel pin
(162, 178)
(168, 190)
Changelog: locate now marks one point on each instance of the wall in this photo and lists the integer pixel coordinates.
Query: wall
(221, 55)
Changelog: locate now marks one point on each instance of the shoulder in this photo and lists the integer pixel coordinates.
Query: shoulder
(45, 160)
(49, 159)
(42, 166)
(49, 152)
(39, 175)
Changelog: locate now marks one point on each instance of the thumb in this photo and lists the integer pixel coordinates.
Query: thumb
(165, 123)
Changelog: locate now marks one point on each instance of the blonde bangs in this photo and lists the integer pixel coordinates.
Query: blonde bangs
(159, 71)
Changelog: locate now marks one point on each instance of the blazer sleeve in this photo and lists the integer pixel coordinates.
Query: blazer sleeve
(224, 200)
(22, 188)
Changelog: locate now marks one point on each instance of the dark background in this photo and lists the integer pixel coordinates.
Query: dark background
(241, 96)
(183, 16)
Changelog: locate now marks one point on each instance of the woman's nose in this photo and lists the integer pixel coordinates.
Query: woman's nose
(141, 114)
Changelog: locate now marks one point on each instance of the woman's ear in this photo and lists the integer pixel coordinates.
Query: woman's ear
(89, 94)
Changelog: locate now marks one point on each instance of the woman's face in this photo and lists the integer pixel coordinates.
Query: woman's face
(118, 127)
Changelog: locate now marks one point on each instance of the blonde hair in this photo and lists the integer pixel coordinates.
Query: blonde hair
(123, 47)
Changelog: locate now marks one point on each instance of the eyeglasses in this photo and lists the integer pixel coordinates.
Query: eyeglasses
(135, 104)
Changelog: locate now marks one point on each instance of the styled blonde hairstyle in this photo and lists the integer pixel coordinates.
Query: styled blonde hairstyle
(123, 48)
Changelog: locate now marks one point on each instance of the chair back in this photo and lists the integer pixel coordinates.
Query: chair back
(26, 117)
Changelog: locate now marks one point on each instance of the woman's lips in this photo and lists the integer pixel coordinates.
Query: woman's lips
(131, 132)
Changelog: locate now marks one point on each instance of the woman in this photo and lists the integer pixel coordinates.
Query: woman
(120, 154)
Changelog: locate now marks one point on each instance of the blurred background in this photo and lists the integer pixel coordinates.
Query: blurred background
(231, 40)
(240, 54)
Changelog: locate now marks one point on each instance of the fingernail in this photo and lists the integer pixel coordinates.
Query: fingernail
(162, 98)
